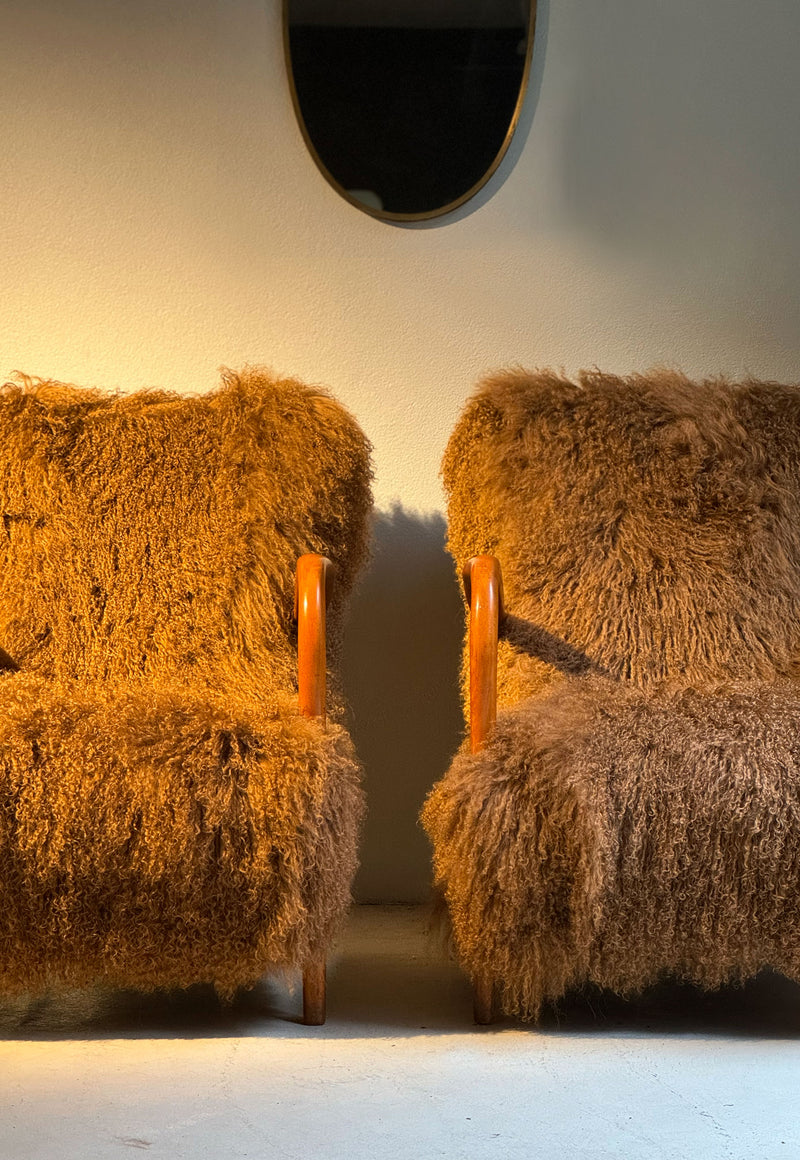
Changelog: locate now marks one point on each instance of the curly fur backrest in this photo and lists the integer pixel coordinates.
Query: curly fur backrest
(648, 527)
(154, 536)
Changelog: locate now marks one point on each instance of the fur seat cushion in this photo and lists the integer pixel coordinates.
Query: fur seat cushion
(607, 835)
(160, 836)
(166, 816)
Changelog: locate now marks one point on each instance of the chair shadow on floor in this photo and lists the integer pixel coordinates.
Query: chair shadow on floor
(390, 980)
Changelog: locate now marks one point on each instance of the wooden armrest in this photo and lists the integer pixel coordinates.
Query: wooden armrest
(312, 593)
(313, 588)
(483, 588)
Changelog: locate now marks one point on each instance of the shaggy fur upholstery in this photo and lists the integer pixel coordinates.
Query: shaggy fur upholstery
(166, 816)
(637, 810)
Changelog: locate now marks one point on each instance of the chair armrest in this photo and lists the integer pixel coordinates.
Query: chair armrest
(313, 587)
(483, 588)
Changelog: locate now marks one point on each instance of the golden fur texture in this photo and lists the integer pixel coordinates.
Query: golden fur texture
(636, 811)
(166, 815)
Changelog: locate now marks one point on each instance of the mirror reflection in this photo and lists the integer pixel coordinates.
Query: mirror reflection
(408, 105)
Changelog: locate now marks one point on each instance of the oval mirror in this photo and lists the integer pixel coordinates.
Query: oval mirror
(408, 106)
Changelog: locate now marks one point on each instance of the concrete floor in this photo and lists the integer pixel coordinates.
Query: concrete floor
(399, 1071)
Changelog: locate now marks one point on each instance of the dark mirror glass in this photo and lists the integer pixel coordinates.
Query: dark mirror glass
(408, 105)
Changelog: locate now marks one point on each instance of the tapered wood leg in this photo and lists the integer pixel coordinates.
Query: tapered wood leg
(314, 993)
(483, 1000)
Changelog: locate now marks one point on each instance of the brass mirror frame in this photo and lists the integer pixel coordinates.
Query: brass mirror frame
(385, 215)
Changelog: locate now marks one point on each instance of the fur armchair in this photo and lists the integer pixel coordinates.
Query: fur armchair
(169, 814)
(634, 812)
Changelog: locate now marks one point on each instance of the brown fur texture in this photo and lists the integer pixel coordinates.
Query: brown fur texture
(637, 810)
(166, 815)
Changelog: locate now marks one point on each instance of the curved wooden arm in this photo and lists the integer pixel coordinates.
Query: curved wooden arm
(312, 593)
(483, 587)
(313, 588)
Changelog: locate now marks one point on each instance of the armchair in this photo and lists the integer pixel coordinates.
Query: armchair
(178, 803)
(631, 551)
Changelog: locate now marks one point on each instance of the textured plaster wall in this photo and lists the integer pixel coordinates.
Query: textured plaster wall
(159, 216)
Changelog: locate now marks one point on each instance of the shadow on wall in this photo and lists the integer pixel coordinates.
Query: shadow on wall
(400, 670)
(675, 142)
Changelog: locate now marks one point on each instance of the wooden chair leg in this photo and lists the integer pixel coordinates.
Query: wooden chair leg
(314, 993)
(483, 1000)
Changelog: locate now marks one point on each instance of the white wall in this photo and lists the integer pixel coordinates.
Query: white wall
(160, 217)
